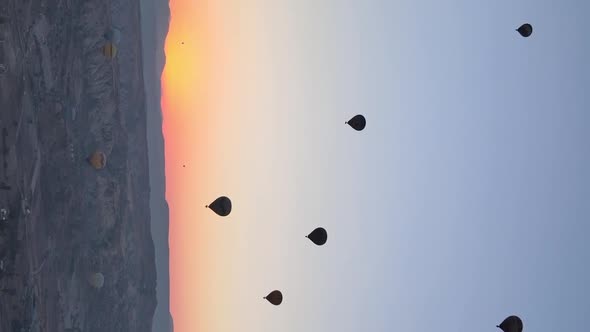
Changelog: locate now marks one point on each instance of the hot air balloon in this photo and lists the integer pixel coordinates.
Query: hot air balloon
(357, 122)
(98, 160)
(525, 30)
(96, 280)
(319, 236)
(113, 35)
(511, 324)
(275, 297)
(221, 206)
(109, 50)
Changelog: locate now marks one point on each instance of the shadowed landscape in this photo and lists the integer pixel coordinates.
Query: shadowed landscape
(62, 99)
(155, 19)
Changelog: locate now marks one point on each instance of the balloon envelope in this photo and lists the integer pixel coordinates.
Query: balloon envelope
(113, 35)
(525, 30)
(357, 122)
(98, 160)
(221, 206)
(275, 297)
(319, 236)
(511, 324)
(96, 280)
(109, 50)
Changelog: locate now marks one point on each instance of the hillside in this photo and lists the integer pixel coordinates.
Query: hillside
(155, 17)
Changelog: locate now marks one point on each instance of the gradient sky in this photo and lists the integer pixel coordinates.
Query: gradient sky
(466, 198)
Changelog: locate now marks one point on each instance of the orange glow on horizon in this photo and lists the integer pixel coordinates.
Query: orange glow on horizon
(186, 108)
(210, 68)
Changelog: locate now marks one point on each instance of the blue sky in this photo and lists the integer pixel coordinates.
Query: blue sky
(476, 165)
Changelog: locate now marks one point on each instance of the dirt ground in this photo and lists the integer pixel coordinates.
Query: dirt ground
(60, 100)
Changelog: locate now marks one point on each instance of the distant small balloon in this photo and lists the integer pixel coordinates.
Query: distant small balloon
(319, 236)
(109, 50)
(525, 30)
(275, 297)
(113, 35)
(96, 280)
(357, 122)
(98, 160)
(511, 324)
(221, 206)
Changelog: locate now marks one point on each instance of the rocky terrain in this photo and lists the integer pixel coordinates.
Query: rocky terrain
(61, 99)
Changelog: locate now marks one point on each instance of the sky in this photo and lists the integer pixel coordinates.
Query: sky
(466, 198)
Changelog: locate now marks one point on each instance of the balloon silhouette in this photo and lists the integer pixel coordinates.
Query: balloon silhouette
(511, 324)
(357, 122)
(221, 206)
(319, 236)
(275, 297)
(525, 30)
